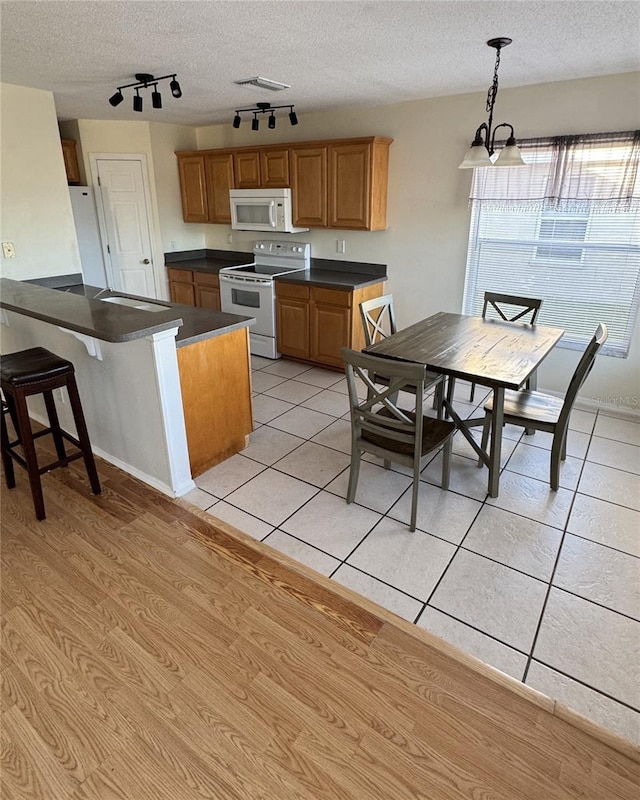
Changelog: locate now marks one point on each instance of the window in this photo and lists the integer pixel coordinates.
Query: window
(565, 228)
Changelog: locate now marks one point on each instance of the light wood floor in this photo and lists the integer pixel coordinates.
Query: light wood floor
(149, 654)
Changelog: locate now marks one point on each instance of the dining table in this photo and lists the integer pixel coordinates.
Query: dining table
(493, 353)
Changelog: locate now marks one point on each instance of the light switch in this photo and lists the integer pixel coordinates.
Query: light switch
(8, 249)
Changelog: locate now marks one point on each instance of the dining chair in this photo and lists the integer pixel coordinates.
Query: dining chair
(510, 308)
(380, 427)
(545, 412)
(378, 322)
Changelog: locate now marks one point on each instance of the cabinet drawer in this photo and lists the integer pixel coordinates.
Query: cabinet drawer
(333, 297)
(180, 275)
(292, 290)
(207, 278)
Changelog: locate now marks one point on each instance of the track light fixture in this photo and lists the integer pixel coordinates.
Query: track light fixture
(143, 81)
(482, 147)
(263, 108)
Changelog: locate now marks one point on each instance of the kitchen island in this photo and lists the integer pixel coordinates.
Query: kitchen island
(166, 388)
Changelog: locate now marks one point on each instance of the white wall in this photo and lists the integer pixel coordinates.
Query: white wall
(36, 208)
(425, 243)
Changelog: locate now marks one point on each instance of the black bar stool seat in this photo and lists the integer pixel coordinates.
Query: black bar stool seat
(31, 372)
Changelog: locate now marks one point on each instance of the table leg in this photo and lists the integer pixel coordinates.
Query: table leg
(532, 385)
(497, 419)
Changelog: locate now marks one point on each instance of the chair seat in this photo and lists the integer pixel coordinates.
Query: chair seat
(530, 406)
(434, 433)
(31, 366)
(430, 379)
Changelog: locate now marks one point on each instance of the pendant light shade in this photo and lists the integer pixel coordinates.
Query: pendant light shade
(509, 155)
(476, 156)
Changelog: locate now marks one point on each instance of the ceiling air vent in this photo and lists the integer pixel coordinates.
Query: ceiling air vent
(263, 83)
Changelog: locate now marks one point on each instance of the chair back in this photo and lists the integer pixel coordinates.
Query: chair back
(378, 319)
(517, 307)
(378, 420)
(585, 365)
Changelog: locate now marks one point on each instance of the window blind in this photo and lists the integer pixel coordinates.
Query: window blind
(565, 228)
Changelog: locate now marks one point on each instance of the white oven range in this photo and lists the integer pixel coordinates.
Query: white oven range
(249, 289)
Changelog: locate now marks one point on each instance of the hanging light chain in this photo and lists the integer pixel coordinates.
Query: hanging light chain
(493, 89)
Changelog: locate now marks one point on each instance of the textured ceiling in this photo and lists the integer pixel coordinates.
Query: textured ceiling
(334, 54)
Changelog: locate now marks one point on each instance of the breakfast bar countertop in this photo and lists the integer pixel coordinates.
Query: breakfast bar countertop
(84, 310)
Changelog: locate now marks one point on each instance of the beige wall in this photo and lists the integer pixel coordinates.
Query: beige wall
(35, 205)
(425, 243)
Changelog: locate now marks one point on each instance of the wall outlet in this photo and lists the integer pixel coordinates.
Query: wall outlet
(172, 245)
(9, 249)
(230, 238)
(341, 246)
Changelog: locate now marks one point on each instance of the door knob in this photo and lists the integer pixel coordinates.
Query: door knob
(145, 261)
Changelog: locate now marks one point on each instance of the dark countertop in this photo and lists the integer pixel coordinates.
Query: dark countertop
(81, 310)
(324, 272)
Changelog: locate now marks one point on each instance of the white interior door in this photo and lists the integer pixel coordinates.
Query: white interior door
(128, 225)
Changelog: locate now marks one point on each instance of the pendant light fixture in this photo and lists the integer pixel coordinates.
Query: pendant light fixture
(482, 147)
(263, 108)
(143, 81)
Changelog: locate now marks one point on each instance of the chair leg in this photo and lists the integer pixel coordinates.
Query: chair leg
(354, 473)
(446, 463)
(83, 435)
(472, 392)
(386, 463)
(486, 430)
(30, 457)
(563, 455)
(556, 456)
(54, 424)
(414, 495)
(7, 461)
(438, 397)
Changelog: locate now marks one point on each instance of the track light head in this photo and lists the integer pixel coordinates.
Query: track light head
(272, 121)
(137, 102)
(293, 117)
(156, 98)
(255, 123)
(237, 120)
(116, 98)
(176, 91)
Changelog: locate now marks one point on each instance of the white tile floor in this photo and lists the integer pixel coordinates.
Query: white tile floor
(543, 585)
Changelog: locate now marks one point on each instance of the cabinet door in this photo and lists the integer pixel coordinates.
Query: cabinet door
(292, 320)
(350, 186)
(219, 179)
(330, 324)
(309, 185)
(274, 169)
(208, 297)
(193, 189)
(70, 156)
(246, 170)
(182, 293)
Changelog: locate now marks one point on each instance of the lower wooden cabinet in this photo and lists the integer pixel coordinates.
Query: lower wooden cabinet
(193, 288)
(314, 323)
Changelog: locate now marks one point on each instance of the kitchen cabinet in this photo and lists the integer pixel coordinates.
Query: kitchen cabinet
(70, 156)
(261, 169)
(336, 183)
(218, 180)
(193, 288)
(314, 323)
(193, 188)
(309, 186)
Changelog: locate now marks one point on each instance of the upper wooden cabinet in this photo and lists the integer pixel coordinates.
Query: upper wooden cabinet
(339, 183)
(70, 156)
(219, 179)
(309, 186)
(193, 188)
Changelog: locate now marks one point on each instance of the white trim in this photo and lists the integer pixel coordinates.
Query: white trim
(137, 473)
(90, 342)
(157, 262)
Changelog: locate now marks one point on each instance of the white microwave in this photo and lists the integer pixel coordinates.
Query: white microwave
(262, 210)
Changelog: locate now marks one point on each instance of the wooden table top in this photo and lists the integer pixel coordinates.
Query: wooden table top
(489, 352)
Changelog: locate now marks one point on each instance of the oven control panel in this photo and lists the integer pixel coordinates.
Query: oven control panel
(297, 250)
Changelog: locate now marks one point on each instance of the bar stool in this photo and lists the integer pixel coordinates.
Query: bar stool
(31, 372)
